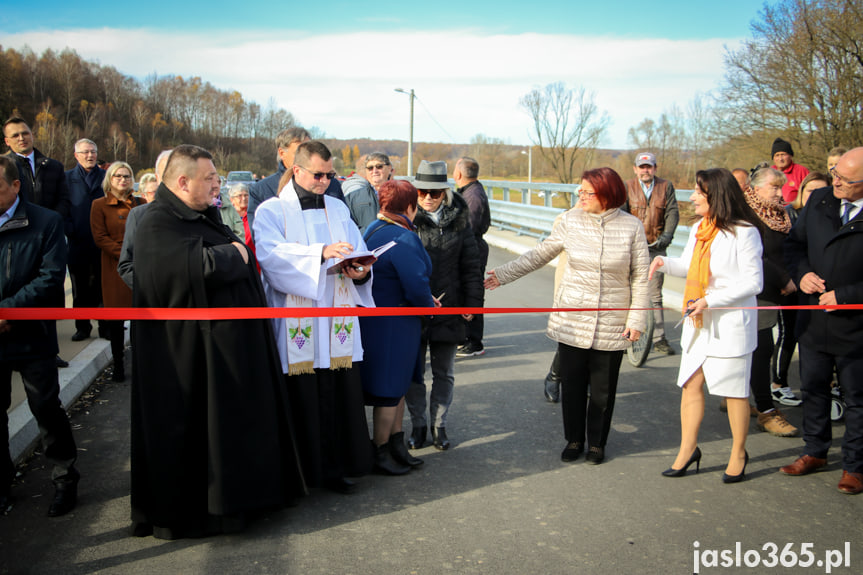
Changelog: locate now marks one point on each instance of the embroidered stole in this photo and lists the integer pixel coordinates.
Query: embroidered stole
(300, 332)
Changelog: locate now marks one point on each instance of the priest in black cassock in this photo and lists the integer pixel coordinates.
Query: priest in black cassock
(211, 431)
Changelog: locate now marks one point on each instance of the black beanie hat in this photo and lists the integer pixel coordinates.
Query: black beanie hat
(780, 145)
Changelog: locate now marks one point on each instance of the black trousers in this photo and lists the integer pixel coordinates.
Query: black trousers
(117, 337)
(588, 389)
(476, 326)
(785, 344)
(759, 375)
(86, 277)
(816, 375)
(43, 397)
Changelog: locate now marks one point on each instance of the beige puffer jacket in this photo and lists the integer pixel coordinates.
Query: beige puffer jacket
(606, 267)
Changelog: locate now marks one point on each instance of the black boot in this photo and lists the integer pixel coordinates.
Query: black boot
(418, 437)
(441, 442)
(385, 464)
(552, 381)
(65, 494)
(400, 452)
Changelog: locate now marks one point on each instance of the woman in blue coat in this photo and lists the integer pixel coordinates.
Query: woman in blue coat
(392, 344)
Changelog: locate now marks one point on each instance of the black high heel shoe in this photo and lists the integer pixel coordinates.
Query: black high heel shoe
(695, 458)
(741, 476)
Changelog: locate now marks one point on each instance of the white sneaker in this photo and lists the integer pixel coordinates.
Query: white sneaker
(785, 396)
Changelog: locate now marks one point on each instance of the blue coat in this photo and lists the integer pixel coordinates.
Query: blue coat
(83, 189)
(32, 271)
(392, 344)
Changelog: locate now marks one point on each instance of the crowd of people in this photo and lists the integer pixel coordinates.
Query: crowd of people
(218, 435)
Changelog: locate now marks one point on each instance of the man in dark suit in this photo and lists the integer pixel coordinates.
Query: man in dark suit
(43, 181)
(84, 182)
(823, 252)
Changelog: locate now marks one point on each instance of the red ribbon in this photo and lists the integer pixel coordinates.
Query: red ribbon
(228, 313)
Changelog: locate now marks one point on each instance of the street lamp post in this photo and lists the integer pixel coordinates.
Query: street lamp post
(411, 137)
(529, 153)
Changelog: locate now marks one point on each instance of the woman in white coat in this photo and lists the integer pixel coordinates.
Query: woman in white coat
(723, 271)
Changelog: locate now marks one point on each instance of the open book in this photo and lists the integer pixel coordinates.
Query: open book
(359, 258)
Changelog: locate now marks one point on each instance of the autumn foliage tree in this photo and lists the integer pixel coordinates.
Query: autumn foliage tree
(66, 98)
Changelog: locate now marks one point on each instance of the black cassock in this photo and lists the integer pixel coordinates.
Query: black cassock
(211, 429)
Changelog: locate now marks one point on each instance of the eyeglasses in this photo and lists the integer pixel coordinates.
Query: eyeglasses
(586, 194)
(86, 152)
(121, 177)
(435, 194)
(21, 134)
(318, 176)
(376, 167)
(842, 179)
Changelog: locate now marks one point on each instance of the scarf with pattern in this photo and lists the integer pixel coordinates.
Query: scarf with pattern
(773, 214)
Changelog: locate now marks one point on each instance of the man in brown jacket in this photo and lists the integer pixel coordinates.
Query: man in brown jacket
(652, 201)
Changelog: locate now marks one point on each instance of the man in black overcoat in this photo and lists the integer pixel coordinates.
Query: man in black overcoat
(43, 181)
(211, 435)
(823, 253)
(84, 182)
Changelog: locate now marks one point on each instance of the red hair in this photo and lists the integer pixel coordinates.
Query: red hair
(609, 187)
(396, 196)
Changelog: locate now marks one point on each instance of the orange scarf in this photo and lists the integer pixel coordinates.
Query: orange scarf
(698, 276)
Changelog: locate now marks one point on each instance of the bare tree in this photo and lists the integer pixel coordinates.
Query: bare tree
(565, 121)
(799, 77)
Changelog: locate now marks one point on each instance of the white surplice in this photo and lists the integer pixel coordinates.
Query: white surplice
(289, 242)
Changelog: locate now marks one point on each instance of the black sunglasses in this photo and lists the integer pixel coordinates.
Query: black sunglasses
(319, 175)
(435, 194)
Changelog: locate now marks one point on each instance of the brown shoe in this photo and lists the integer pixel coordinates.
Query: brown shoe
(803, 465)
(851, 482)
(774, 423)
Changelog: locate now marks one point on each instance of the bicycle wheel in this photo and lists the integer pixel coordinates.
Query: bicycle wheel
(638, 351)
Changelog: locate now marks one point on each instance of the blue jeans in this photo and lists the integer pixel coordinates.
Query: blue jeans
(443, 381)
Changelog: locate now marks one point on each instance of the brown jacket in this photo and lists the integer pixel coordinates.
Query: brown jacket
(659, 215)
(108, 223)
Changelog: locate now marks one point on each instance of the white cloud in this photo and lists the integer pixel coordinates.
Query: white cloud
(469, 83)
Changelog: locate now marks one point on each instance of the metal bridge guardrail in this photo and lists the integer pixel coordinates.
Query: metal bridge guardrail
(536, 221)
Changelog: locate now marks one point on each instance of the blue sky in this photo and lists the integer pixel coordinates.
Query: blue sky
(335, 65)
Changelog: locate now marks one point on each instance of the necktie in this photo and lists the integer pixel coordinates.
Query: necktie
(846, 212)
(29, 165)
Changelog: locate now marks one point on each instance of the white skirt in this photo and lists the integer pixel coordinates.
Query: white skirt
(725, 376)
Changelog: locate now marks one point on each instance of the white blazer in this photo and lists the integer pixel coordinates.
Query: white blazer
(736, 277)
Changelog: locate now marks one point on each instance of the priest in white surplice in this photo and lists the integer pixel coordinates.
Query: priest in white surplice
(299, 236)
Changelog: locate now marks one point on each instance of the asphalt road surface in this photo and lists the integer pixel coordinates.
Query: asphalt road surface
(499, 502)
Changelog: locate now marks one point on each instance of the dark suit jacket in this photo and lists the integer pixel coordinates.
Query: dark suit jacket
(819, 243)
(47, 187)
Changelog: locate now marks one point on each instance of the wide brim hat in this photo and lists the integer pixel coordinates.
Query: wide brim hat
(431, 176)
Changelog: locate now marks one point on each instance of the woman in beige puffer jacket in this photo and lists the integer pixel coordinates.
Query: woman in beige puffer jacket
(606, 278)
